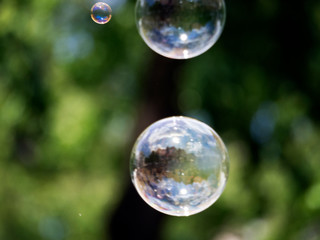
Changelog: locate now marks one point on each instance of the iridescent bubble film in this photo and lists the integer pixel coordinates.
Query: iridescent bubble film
(101, 13)
(180, 29)
(179, 166)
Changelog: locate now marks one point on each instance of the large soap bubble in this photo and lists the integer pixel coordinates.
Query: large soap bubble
(180, 29)
(179, 166)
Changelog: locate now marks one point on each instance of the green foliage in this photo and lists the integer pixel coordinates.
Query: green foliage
(70, 94)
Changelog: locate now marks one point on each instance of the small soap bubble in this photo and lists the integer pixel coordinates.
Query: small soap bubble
(101, 13)
(180, 29)
(179, 166)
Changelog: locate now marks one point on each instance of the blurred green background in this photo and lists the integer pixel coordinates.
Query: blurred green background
(71, 97)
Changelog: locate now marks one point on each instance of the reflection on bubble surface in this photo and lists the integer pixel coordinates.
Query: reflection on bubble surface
(101, 13)
(180, 29)
(179, 166)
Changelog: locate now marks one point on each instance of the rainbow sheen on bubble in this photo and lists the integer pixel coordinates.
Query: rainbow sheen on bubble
(180, 29)
(179, 166)
(101, 13)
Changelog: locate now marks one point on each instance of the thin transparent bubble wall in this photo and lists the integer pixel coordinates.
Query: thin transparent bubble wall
(179, 166)
(180, 29)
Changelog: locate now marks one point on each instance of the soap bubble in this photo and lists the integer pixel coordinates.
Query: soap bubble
(101, 13)
(179, 166)
(180, 29)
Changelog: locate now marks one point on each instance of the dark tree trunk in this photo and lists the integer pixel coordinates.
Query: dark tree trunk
(133, 218)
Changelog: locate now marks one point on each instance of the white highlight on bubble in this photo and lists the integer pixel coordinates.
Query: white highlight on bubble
(183, 37)
(175, 140)
(183, 191)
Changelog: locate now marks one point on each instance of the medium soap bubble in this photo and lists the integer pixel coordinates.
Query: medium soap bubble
(179, 166)
(180, 29)
(101, 13)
